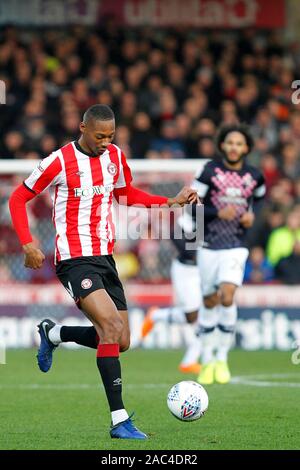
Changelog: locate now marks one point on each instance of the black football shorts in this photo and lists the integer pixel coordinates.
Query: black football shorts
(83, 275)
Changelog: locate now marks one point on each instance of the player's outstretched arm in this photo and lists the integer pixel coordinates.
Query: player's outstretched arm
(129, 196)
(17, 204)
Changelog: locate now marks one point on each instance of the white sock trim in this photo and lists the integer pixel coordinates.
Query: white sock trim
(118, 416)
(193, 352)
(54, 335)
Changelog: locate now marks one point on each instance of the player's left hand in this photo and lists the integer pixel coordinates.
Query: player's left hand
(247, 219)
(185, 196)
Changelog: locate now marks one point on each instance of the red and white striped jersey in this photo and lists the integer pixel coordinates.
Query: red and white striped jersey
(81, 188)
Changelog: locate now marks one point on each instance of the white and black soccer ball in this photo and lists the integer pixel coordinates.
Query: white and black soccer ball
(187, 400)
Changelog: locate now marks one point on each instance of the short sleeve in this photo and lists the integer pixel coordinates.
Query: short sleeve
(45, 174)
(260, 190)
(125, 176)
(201, 182)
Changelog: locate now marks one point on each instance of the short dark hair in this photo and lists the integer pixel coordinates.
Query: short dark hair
(241, 128)
(98, 112)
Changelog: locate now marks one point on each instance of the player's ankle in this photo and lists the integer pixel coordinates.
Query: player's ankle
(54, 335)
(119, 416)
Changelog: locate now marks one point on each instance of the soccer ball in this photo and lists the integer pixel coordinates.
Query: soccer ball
(187, 400)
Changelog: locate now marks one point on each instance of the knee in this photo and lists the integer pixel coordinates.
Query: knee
(191, 317)
(112, 327)
(210, 302)
(226, 299)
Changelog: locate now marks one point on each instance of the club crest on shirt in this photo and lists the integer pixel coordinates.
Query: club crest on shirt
(247, 180)
(112, 169)
(86, 283)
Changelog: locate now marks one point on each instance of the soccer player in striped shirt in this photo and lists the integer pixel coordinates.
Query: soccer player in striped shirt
(83, 178)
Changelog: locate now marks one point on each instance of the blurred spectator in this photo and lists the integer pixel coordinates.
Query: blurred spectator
(288, 269)
(13, 144)
(97, 79)
(122, 139)
(149, 96)
(297, 191)
(290, 165)
(142, 135)
(69, 128)
(258, 270)
(282, 240)
(265, 126)
(169, 141)
(206, 148)
(167, 104)
(205, 128)
(270, 169)
(127, 110)
(34, 131)
(282, 194)
(228, 113)
(82, 97)
(48, 145)
(269, 219)
(176, 79)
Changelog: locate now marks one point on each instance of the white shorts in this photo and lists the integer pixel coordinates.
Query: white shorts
(218, 266)
(186, 285)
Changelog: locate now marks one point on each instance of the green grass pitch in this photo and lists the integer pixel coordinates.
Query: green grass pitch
(66, 408)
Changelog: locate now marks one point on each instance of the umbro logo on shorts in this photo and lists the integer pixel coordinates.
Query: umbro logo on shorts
(86, 283)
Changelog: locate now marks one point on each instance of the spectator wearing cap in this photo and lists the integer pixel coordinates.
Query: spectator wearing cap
(169, 141)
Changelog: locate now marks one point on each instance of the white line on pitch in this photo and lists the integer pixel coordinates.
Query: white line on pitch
(249, 380)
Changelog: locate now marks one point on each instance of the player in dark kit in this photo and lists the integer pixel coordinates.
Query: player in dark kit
(186, 286)
(83, 178)
(230, 190)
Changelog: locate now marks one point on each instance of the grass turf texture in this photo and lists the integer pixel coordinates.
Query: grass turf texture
(67, 409)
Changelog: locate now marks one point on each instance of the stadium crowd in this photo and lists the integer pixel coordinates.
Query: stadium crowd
(170, 90)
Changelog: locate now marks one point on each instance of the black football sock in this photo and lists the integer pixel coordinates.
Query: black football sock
(110, 370)
(84, 335)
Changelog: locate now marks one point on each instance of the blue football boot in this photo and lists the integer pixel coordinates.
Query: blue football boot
(126, 430)
(45, 352)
